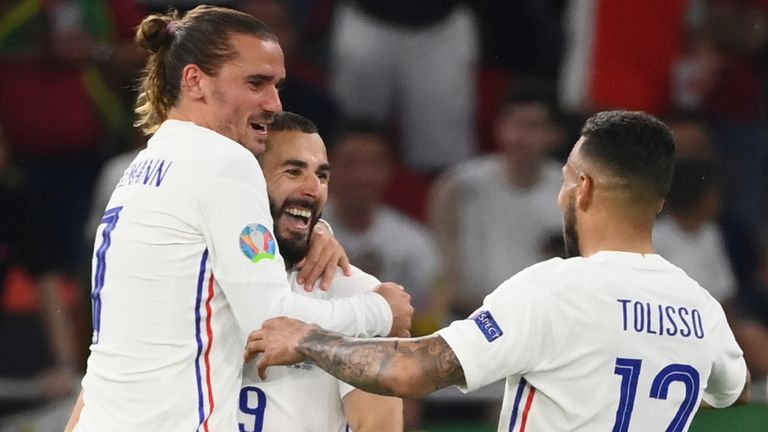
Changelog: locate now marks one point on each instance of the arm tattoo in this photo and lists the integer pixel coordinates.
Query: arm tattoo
(428, 363)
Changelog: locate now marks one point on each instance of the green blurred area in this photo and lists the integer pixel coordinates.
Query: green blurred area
(748, 418)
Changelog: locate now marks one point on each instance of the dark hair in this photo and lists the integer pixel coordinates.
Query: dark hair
(201, 37)
(533, 91)
(632, 145)
(359, 126)
(692, 180)
(288, 121)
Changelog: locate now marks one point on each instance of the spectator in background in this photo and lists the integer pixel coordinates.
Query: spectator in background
(736, 32)
(688, 235)
(414, 62)
(494, 215)
(62, 65)
(378, 239)
(39, 364)
(300, 93)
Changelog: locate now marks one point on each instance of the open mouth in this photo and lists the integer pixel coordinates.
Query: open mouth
(299, 216)
(259, 127)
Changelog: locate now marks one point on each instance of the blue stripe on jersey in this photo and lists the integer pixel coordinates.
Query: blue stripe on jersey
(516, 405)
(198, 301)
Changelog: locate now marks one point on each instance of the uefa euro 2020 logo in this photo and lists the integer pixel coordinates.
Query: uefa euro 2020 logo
(257, 242)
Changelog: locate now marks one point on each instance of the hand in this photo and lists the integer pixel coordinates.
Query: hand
(400, 303)
(324, 255)
(278, 340)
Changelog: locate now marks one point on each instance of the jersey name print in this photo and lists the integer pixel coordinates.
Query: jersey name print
(616, 341)
(174, 297)
(663, 320)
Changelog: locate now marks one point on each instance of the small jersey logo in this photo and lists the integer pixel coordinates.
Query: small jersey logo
(257, 242)
(488, 326)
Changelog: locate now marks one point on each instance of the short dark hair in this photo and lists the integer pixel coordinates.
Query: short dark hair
(632, 145)
(359, 126)
(287, 121)
(692, 180)
(202, 37)
(533, 91)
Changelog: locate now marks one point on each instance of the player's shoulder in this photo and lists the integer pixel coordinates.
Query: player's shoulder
(546, 275)
(199, 143)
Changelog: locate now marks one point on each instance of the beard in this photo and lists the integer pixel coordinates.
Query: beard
(293, 246)
(570, 235)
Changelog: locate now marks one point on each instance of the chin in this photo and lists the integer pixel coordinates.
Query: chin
(256, 147)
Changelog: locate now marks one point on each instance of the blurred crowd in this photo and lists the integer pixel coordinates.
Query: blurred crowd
(447, 123)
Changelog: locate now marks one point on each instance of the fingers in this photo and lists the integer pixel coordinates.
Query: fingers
(328, 274)
(320, 265)
(261, 367)
(345, 265)
(254, 345)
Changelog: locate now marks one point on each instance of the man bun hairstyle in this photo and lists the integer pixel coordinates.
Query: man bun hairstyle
(200, 37)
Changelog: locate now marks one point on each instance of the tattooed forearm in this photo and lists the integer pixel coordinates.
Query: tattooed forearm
(394, 367)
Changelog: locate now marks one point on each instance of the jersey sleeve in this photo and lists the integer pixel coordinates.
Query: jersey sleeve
(729, 370)
(513, 332)
(237, 226)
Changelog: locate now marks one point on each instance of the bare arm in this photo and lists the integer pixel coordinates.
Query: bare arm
(75, 416)
(391, 366)
(367, 412)
(444, 221)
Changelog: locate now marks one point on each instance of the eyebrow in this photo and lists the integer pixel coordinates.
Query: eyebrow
(264, 78)
(301, 164)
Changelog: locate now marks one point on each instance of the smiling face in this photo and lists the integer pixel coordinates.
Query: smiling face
(297, 172)
(242, 97)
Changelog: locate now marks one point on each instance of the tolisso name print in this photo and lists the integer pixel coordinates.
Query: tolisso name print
(662, 320)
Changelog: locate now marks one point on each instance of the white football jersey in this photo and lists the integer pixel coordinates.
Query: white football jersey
(185, 266)
(300, 397)
(616, 341)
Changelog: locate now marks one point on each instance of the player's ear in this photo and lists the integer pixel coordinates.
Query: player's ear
(193, 81)
(585, 191)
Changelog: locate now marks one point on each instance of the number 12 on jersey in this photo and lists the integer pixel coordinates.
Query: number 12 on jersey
(629, 370)
(110, 219)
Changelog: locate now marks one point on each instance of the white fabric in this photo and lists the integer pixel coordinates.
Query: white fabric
(394, 248)
(179, 295)
(701, 255)
(423, 77)
(559, 328)
(301, 397)
(110, 174)
(501, 228)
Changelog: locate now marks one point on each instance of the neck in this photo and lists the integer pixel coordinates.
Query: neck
(629, 234)
(187, 114)
(523, 174)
